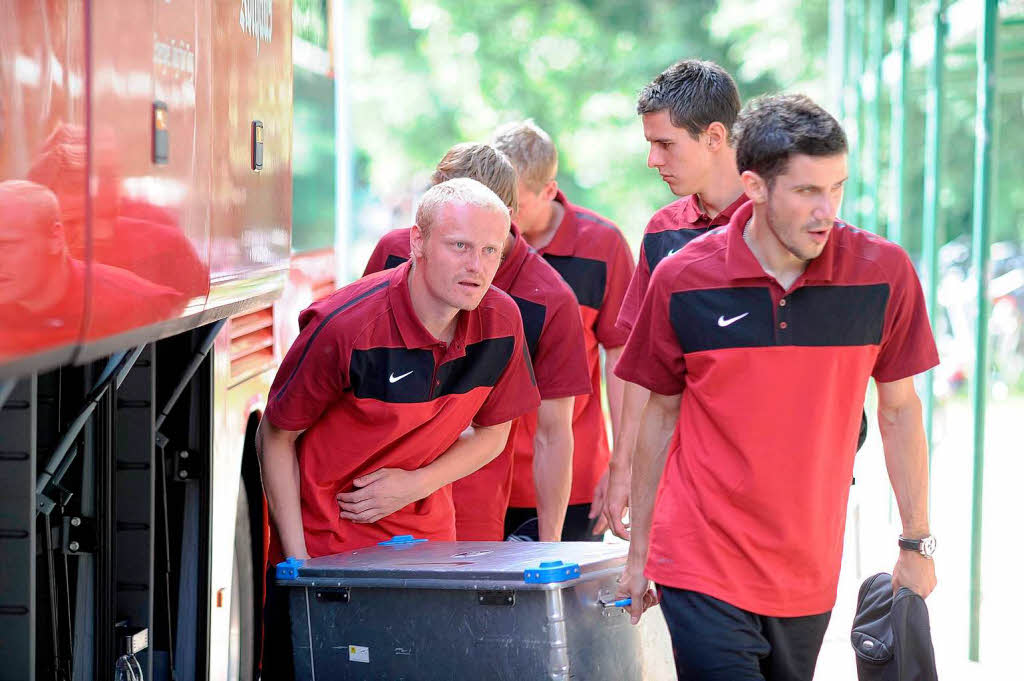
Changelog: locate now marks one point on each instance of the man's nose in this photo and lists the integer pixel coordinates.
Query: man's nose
(653, 158)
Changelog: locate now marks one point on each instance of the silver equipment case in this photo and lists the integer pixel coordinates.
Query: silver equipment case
(412, 610)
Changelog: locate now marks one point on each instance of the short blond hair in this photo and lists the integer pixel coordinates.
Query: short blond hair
(531, 151)
(483, 163)
(461, 190)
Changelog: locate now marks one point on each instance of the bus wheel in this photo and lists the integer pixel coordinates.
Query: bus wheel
(242, 634)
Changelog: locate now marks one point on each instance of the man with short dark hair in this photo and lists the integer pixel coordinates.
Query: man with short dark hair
(687, 113)
(757, 342)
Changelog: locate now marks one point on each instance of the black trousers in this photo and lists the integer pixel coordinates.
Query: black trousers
(715, 641)
(277, 664)
(577, 527)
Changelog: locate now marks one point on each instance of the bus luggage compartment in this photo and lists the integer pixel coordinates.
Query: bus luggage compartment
(412, 609)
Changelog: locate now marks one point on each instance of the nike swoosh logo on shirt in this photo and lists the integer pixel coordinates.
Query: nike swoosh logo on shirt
(722, 321)
(672, 252)
(396, 379)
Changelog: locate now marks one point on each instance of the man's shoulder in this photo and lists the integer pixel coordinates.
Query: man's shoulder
(498, 313)
(668, 217)
(396, 241)
(704, 259)
(352, 306)
(593, 224)
(539, 282)
(861, 250)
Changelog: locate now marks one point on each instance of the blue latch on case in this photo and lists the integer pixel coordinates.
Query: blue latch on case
(289, 569)
(551, 572)
(401, 540)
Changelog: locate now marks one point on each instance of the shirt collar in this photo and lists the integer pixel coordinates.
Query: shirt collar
(564, 240)
(414, 334)
(693, 213)
(741, 263)
(513, 262)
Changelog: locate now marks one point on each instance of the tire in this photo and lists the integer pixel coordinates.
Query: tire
(242, 632)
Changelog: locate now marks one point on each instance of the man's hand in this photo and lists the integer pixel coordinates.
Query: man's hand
(915, 572)
(597, 507)
(381, 493)
(633, 585)
(617, 501)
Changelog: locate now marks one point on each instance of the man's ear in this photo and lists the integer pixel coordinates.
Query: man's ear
(416, 240)
(754, 186)
(56, 243)
(549, 191)
(716, 136)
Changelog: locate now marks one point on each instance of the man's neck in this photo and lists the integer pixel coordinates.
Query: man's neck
(724, 188)
(438, 318)
(542, 237)
(775, 258)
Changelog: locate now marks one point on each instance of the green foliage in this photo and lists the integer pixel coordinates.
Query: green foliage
(430, 74)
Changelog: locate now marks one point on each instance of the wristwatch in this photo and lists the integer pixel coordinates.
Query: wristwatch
(925, 545)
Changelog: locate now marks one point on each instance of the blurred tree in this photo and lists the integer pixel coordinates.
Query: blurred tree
(427, 74)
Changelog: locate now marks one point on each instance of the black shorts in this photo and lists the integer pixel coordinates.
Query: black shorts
(715, 641)
(577, 527)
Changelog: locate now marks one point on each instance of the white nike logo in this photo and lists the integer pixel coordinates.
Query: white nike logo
(722, 321)
(672, 252)
(396, 379)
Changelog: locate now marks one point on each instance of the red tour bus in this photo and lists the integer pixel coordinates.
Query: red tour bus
(145, 246)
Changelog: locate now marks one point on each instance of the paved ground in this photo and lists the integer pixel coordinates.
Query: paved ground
(873, 524)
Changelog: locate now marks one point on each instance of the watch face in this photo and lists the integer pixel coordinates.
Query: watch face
(928, 545)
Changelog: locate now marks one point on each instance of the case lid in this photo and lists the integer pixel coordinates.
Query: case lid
(460, 565)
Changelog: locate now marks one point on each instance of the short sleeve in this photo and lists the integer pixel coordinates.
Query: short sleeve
(515, 393)
(634, 297)
(653, 357)
(560, 364)
(313, 375)
(908, 346)
(620, 270)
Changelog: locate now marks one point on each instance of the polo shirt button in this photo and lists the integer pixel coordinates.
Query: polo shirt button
(782, 303)
(782, 325)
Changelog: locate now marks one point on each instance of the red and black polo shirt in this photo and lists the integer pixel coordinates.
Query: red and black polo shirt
(752, 502)
(554, 336)
(372, 388)
(668, 230)
(593, 257)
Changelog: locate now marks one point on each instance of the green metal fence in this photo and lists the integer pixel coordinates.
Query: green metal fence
(923, 100)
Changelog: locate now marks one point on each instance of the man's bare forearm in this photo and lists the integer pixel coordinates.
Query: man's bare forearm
(552, 465)
(634, 397)
(613, 386)
(906, 454)
(657, 422)
(279, 467)
(475, 448)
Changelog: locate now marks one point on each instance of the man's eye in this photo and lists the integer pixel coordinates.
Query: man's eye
(491, 250)
(460, 245)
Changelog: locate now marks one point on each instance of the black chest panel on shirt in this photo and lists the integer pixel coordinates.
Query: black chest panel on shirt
(660, 245)
(716, 319)
(586, 277)
(403, 375)
(393, 261)
(533, 315)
